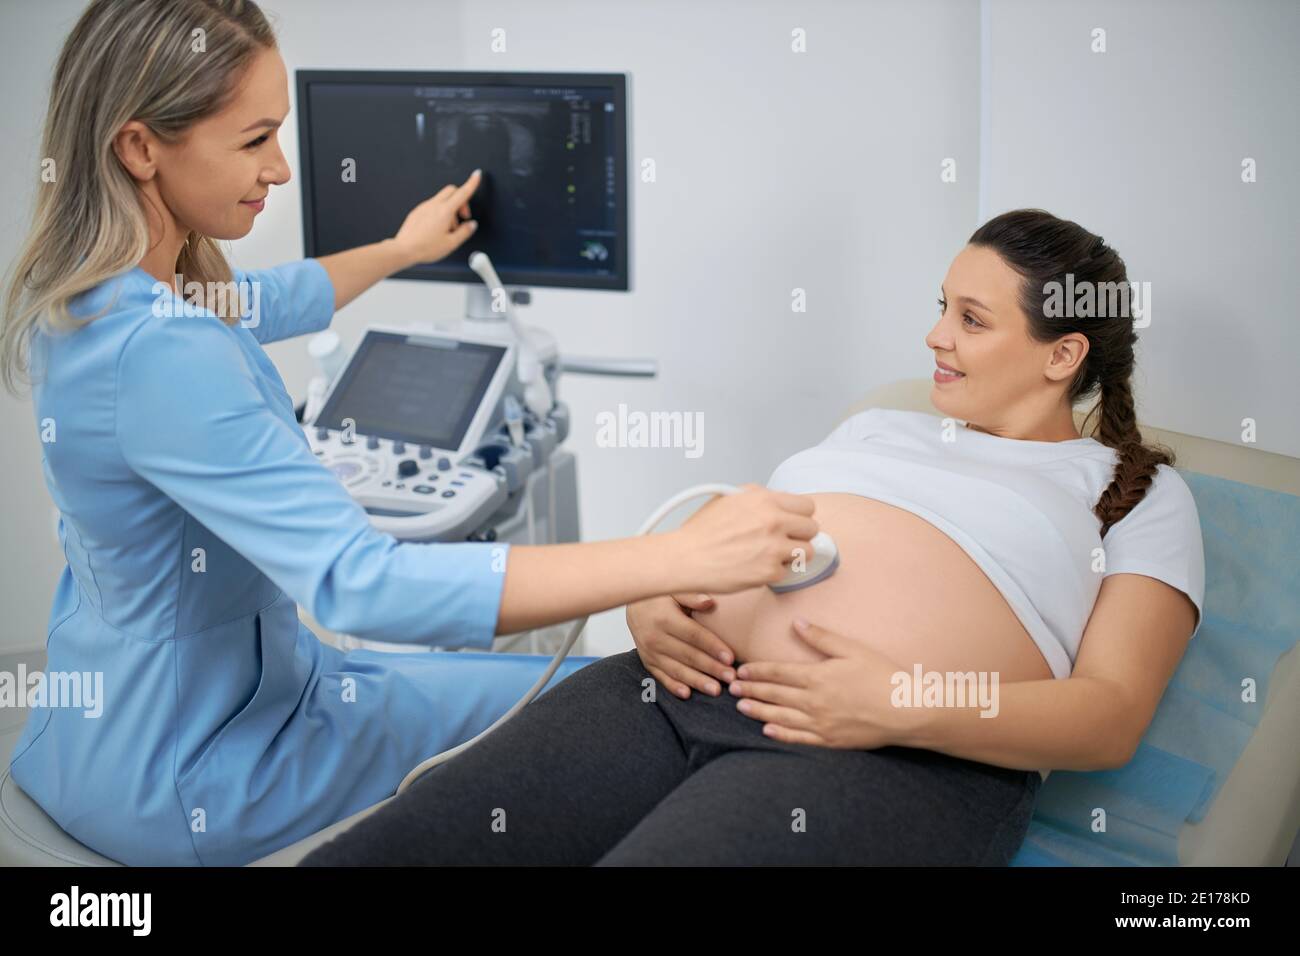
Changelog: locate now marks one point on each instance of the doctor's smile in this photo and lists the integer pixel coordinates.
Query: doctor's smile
(347, 594)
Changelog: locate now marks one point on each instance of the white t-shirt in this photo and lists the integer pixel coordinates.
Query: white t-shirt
(1021, 509)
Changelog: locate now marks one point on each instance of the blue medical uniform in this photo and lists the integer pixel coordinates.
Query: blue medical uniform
(193, 516)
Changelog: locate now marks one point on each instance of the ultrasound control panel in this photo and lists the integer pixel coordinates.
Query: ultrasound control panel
(408, 428)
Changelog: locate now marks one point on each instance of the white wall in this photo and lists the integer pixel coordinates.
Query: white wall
(1143, 145)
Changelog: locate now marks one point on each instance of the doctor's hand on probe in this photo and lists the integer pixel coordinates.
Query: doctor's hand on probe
(734, 542)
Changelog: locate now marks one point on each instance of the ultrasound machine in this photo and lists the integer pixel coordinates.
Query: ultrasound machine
(448, 428)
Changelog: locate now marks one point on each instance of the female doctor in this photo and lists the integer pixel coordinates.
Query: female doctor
(195, 518)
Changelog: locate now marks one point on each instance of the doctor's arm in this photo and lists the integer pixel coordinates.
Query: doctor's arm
(1095, 718)
(193, 421)
(430, 232)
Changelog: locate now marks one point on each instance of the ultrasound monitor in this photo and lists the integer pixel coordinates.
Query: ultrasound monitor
(552, 203)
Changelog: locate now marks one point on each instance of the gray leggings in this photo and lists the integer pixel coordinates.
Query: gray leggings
(592, 773)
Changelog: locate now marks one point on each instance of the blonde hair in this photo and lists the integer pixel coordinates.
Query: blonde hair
(89, 222)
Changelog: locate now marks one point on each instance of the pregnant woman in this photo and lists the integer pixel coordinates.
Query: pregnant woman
(1062, 575)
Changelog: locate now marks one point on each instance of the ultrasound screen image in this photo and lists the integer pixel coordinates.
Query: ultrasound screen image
(547, 203)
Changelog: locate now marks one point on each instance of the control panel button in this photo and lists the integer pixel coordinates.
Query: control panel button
(449, 494)
(322, 434)
(345, 470)
(424, 489)
(399, 447)
(459, 484)
(372, 442)
(466, 474)
(408, 468)
(444, 464)
(426, 451)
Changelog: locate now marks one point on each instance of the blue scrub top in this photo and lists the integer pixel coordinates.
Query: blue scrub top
(193, 516)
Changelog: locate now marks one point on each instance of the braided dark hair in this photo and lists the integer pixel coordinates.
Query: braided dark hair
(1043, 249)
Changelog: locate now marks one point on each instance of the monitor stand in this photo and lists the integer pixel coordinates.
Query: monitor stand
(482, 322)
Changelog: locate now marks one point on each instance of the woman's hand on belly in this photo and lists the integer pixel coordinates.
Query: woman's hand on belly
(676, 651)
(846, 700)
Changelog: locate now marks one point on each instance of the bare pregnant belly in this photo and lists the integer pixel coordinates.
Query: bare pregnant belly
(903, 587)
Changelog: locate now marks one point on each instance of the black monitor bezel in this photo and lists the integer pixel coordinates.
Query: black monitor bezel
(619, 282)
